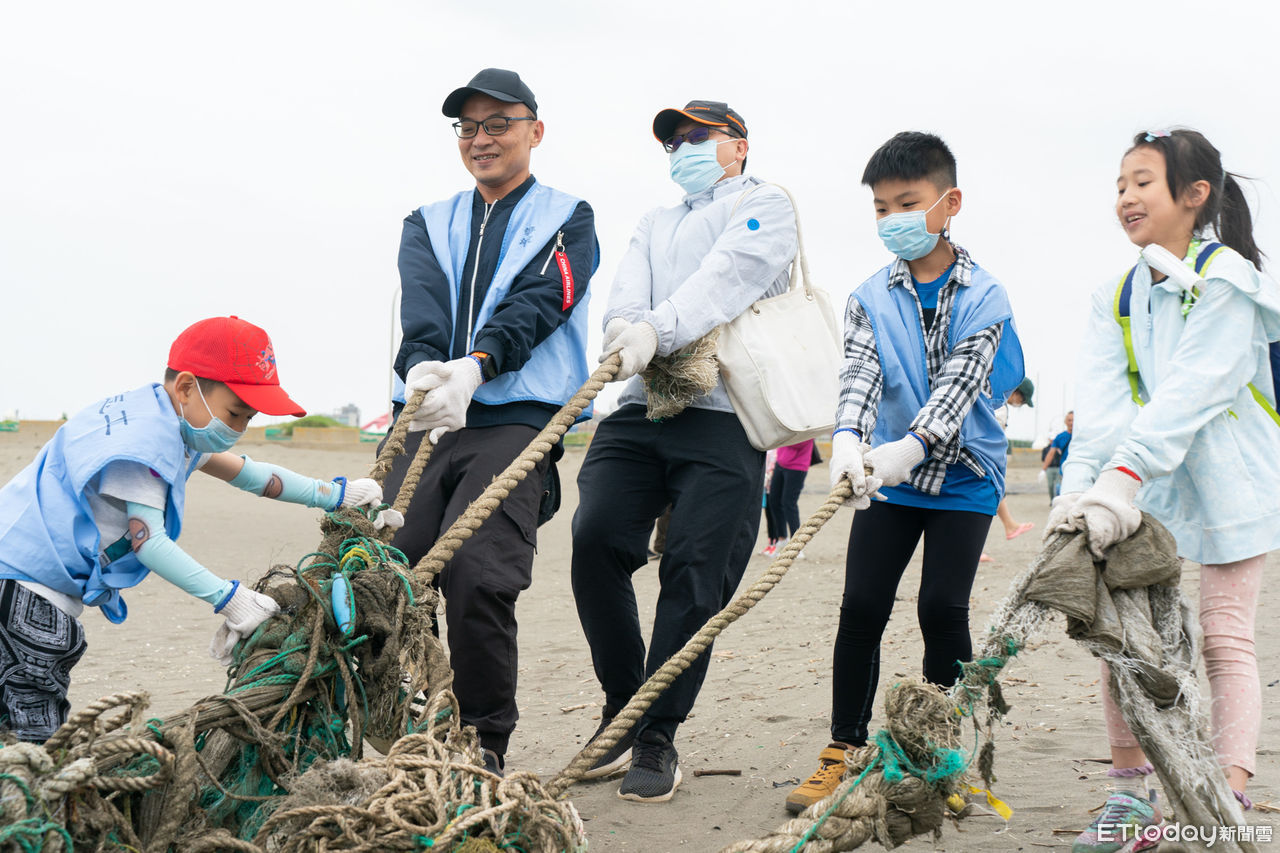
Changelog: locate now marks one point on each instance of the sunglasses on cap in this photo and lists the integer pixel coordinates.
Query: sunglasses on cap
(693, 137)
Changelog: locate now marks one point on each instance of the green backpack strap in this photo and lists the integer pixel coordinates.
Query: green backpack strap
(1120, 309)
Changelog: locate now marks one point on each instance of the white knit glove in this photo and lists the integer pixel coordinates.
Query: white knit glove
(892, 462)
(388, 518)
(847, 453)
(612, 329)
(1060, 515)
(1106, 512)
(362, 492)
(423, 376)
(449, 387)
(636, 344)
(245, 610)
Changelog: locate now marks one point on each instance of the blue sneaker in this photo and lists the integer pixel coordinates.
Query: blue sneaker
(1128, 823)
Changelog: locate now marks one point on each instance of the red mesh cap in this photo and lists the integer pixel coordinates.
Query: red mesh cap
(239, 354)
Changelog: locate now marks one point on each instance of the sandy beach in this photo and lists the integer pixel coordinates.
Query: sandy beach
(763, 710)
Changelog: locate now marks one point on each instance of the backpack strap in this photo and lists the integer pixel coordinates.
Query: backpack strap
(1120, 309)
(1207, 253)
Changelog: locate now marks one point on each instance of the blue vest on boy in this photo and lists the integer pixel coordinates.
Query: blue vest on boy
(900, 344)
(557, 367)
(47, 531)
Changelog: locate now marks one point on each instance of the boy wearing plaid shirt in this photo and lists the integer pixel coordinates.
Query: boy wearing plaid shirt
(930, 354)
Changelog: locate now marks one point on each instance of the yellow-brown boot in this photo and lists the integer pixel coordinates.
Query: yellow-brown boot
(824, 780)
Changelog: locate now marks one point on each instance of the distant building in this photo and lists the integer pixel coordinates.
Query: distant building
(348, 415)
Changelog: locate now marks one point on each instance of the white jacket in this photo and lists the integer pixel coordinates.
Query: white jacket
(689, 268)
(1207, 452)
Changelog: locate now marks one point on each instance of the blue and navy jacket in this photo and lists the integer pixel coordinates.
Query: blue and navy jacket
(485, 277)
(47, 530)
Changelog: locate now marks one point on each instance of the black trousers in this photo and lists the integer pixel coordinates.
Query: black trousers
(881, 542)
(701, 463)
(785, 487)
(481, 582)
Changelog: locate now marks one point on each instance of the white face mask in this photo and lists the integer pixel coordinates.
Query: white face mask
(697, 167)
(213, 437)
(907, 234)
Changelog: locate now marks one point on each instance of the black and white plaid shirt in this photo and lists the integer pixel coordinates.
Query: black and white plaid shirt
(956, 376)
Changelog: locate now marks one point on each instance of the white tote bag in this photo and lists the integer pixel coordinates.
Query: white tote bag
(780, 359)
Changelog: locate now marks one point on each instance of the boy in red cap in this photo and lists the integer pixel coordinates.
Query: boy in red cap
(102, 504)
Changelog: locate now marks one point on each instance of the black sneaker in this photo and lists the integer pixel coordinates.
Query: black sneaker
(655, 771)
(493, 762)
(617, 757)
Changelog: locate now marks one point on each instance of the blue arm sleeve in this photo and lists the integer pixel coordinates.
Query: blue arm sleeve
(162, 555)
(272, 481)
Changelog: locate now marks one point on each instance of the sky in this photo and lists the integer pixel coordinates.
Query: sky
(165, 162)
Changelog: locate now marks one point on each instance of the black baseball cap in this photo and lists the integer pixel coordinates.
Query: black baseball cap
(497, 83)
(711, 113)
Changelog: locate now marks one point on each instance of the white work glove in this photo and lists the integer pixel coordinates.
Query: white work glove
(1161, 259)
(388, 518)
(612, 329)
(449, 388)
(1042, 477)
(892, 462)
(423, 376)
(847, 451)
(362, 492)
(1060, 515)
(1106, 512)
(245, 610)
(636, 344)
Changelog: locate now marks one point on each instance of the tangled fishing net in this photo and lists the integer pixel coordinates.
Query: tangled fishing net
(275, 763)
(672, 382)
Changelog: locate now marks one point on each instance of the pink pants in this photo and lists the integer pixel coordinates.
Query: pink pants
(1228, 604)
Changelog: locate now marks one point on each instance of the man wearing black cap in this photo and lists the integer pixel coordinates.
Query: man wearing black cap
(689, 269)
(494, 312)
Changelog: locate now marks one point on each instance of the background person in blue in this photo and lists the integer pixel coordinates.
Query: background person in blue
(101, 506)
(930, 354)
(1055, 456)
(690, 268)
(494, 311)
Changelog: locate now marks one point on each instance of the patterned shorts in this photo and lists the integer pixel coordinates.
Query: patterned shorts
(38, 646)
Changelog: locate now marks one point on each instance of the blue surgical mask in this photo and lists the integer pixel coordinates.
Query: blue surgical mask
(214, 437)
(907, 234)
(696, 167)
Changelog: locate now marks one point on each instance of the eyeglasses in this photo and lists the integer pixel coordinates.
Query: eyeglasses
(693, 137)
(493, 125)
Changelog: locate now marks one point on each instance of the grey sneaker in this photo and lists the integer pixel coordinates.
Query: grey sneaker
(617, 757)
(655, 771)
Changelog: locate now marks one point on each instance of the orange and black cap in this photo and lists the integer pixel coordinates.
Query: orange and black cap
(715, 114)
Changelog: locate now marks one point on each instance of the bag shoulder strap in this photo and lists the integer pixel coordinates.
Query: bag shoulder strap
(800, 263)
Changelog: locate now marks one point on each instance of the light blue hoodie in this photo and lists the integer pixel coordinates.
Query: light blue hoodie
(1207, 453)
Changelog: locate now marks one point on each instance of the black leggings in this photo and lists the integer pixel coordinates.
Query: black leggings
(785, 487)
(881, 542)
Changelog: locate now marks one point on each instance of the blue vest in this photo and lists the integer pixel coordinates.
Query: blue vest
(47, 531)
(903, 366)
(557, 367)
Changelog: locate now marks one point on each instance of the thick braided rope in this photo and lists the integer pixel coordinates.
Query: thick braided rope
(395, 439)
(411, 477)
(492, 497)
(85, 722)
(698, 643)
